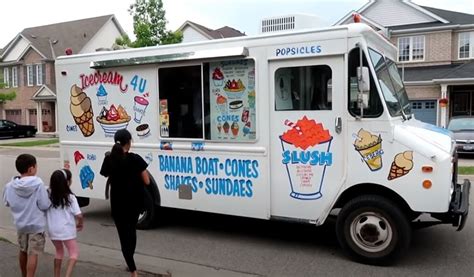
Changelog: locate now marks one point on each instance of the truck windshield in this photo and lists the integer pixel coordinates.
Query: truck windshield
(391, 84)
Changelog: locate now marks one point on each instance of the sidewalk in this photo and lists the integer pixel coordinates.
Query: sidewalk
(9, 263)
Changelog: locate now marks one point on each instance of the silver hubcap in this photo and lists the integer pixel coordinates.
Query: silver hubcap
(371, 232)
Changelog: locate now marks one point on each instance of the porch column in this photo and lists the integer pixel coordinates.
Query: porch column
(39, 117)
(443, 110)
(56, 117)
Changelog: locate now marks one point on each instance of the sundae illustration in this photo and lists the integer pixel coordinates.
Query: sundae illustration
(113, 119)
(234, 89)
(81, 110)
(221, 102)
(369, 147)
(102, 95)
(235, 129)
(139, 108)
(218, 77)
(401, 165)
(306, 154)
(85, 172)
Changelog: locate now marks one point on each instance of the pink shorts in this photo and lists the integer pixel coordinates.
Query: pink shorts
(71, 246)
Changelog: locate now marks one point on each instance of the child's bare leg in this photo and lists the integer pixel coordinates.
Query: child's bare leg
(23, 259)
(57, 267)
(70, 267)
(31, 265)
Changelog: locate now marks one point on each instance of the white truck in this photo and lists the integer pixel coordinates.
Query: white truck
(292, 126)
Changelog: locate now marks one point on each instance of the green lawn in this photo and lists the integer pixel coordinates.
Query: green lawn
(466, 170)
(32, 143)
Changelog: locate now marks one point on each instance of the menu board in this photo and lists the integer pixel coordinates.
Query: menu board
(232, 85)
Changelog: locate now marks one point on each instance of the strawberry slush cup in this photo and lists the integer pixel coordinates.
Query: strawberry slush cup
(139, 108)
(306, 154)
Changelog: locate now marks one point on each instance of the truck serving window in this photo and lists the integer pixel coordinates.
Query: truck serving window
(374, 108)
(212, 101)
(303, 88)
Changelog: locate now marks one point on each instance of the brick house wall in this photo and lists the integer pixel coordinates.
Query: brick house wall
(438, 48)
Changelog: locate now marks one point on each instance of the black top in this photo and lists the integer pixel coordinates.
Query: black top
(127, 185)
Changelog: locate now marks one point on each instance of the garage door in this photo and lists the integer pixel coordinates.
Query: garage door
(13, 115)
(424, 110)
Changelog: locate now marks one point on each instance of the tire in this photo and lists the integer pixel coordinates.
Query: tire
(373, 230)
(29, 134)
(147, 217)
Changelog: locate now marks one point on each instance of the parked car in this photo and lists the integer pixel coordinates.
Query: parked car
(463, 130)
(11, 129)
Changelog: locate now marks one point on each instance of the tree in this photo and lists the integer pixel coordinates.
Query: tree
(6, 96)
(149, 25)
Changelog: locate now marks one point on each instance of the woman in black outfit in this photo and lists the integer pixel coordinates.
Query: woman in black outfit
(128, 176)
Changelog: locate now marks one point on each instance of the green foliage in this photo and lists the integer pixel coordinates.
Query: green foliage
(149, 25)
(6, 96)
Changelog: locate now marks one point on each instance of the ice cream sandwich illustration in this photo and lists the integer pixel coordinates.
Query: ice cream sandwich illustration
(401, 165)
(81, 110)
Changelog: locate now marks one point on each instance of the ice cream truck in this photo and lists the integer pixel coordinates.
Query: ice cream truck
(298, 126)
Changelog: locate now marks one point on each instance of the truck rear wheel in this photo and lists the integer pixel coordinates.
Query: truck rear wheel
(373, 230)
(147, 216)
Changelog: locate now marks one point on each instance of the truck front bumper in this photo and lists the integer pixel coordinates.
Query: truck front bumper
(459, 206)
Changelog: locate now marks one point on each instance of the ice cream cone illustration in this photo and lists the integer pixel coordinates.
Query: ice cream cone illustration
(81, 110)
(235, 129)
(401, 165)
(369, 147)
(226, 127)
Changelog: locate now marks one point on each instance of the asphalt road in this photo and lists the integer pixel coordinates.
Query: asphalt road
(257, 247)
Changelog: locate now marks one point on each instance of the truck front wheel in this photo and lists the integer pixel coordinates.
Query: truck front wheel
(373, 230)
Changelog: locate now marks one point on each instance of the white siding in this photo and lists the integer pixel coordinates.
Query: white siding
(394, 12)
(190, 35)
(105, 37)
(16, 51)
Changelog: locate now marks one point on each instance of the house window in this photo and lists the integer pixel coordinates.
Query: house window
(39, 74)
(30, 75)
(6, 77)
(14, 77)
(35, 74)
(466, 41)
(411, 49)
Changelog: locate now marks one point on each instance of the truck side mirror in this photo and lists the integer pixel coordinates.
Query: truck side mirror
(363, 78)
(363, 82)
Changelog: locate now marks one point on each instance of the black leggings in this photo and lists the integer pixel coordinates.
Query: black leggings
(126, 228)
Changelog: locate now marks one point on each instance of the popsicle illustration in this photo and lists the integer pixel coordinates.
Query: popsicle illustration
(85, 172)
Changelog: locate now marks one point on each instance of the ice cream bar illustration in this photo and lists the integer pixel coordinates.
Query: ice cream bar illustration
(85, 172)
(401, 165)
(369, 147)
(139, 108)
(246, 128)
(81, 110)
(218, 77)
(235, 128)
(102, 95)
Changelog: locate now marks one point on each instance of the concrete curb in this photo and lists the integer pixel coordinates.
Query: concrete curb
(155, 265)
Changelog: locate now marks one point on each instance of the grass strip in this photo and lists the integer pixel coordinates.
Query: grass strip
(32, 143)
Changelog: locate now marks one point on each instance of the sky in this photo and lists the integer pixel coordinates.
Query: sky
(243, 15)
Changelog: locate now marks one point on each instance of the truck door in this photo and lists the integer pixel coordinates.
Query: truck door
(306, 135)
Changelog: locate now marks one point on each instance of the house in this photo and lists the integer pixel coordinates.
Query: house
(435, 55)
(27, 66)
(195, 32)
